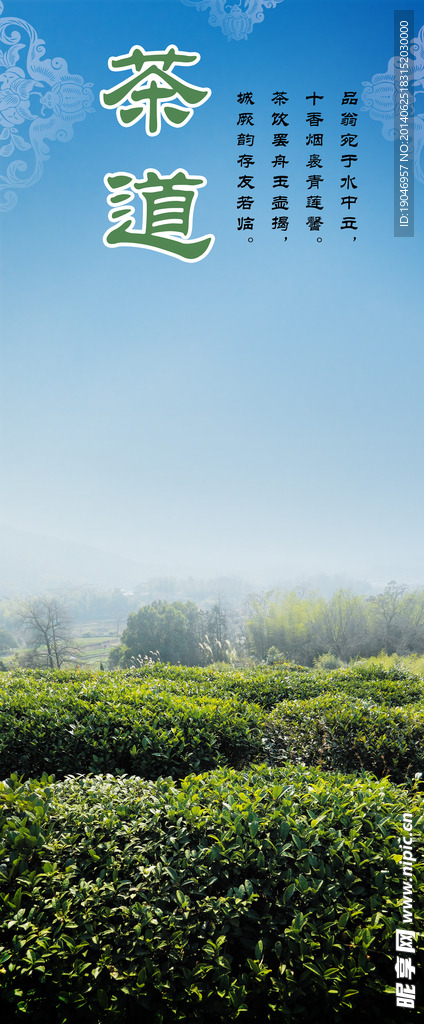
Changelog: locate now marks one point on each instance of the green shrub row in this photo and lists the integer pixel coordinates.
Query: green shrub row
(384, 686)
(64, 726)
(173, 723)
(263, 685)
(338, 732)
(270, 895)
(268, 685)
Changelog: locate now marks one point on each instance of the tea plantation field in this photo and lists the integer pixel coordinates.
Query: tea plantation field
(208, 845)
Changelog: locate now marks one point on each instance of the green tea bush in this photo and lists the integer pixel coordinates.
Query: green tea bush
(169, 720)
(337, 731)
(410, 663)
(61, 724)
(268, 685)
(374, 668)
(389, 686)
(269, 895)
(264, 685)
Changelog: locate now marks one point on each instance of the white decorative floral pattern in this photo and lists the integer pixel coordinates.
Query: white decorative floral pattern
(381, 99)
(236, 20)
(39, 100)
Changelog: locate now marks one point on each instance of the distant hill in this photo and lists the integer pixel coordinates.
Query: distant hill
(33, 563)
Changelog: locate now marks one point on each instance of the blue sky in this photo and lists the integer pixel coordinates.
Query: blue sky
(259, 410)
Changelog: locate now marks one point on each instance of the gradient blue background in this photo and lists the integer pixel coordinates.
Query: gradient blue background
(259, 411)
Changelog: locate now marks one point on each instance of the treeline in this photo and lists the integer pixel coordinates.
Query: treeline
(277, 627)
(304, 628)
(272, 627)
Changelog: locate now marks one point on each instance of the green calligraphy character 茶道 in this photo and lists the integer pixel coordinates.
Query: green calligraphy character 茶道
(168, 202)
(151, 87)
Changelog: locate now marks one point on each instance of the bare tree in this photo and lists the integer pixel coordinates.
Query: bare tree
(48, 627)
(388, 606)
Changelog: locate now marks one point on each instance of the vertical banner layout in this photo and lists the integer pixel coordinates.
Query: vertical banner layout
(211, 511)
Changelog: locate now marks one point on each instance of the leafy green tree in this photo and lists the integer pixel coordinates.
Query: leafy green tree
(343, 626)
(299, 616)
(217, 632)
(288, 623)
(306, 627)
(168, 632)
(260, 624)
